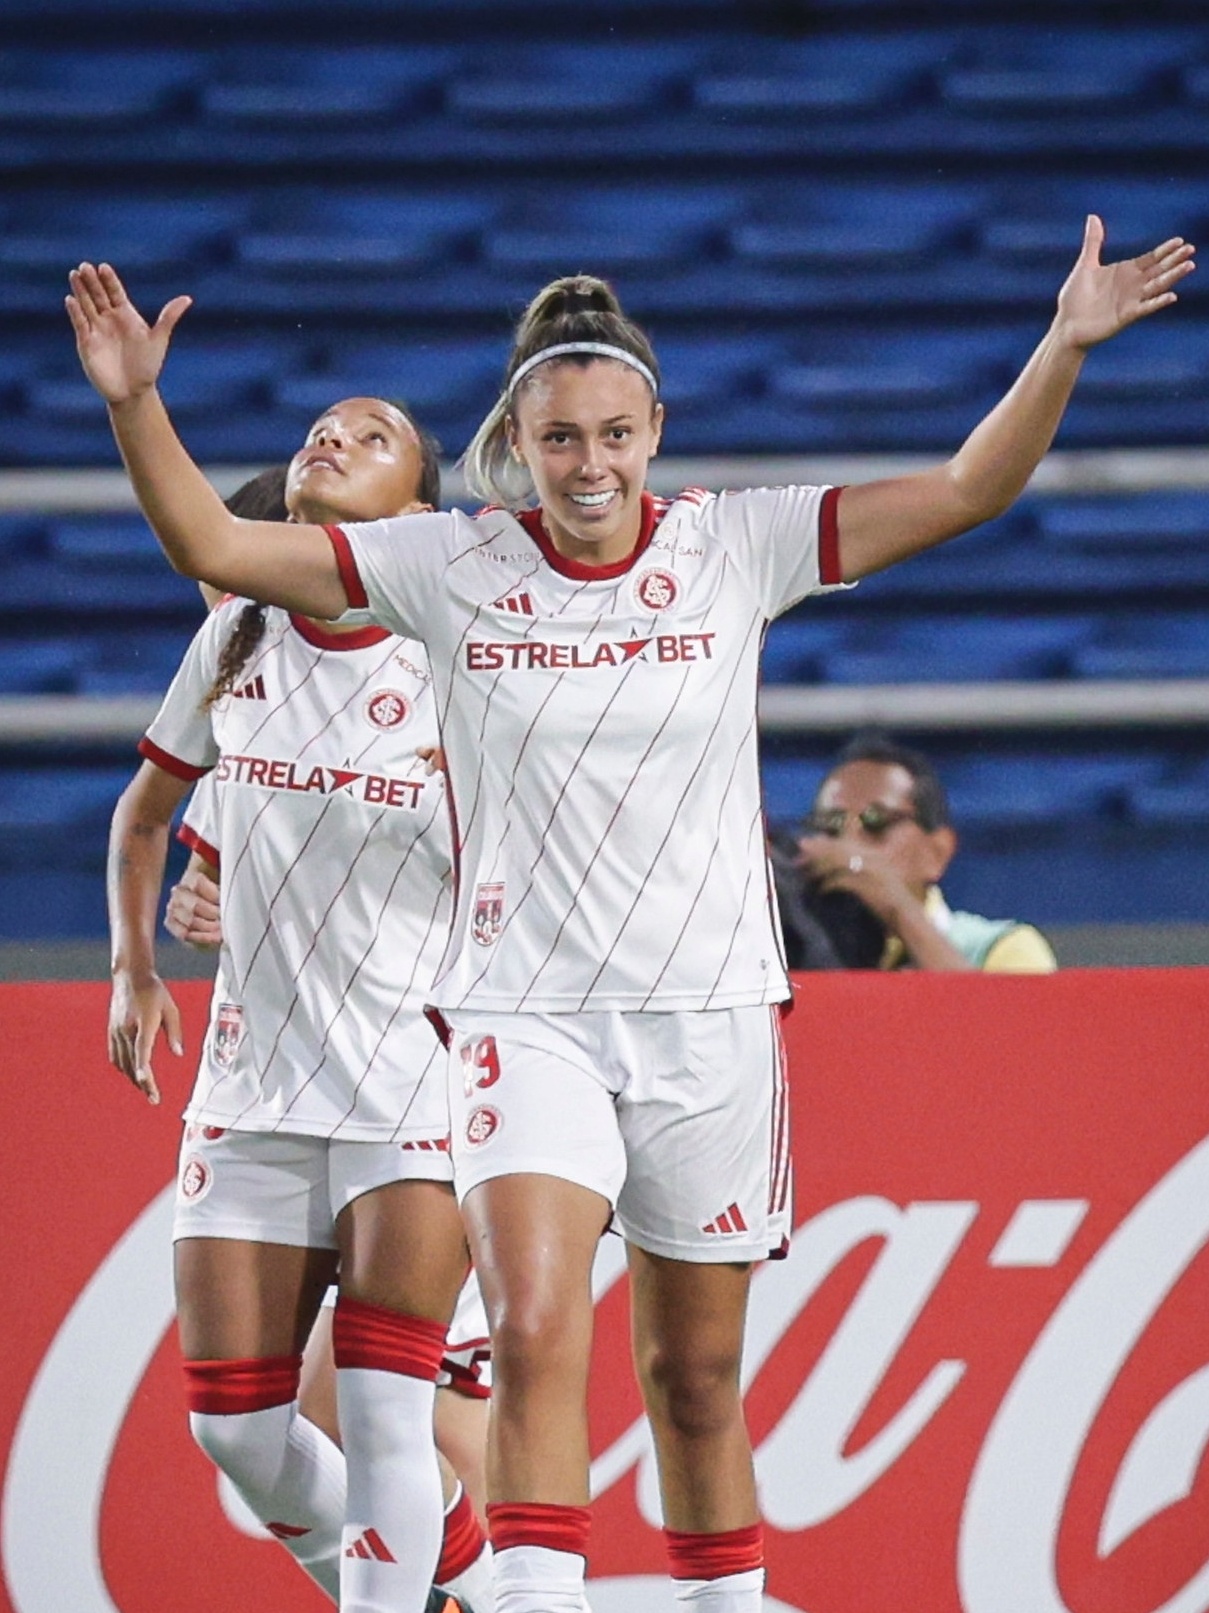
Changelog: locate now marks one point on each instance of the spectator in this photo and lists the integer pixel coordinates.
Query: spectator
(861, 888)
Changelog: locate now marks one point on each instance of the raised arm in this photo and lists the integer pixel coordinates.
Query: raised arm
(290, 565)
(140, 1005)
(884, 521)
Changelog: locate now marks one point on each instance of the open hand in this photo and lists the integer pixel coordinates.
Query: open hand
(122, 355)
(1099, 299)
(139, 1011)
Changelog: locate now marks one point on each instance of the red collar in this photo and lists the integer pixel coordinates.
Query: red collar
(315, 633)
(531, 520)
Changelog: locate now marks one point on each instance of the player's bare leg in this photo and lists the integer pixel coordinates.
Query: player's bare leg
(244, 1311)
(688, 1343)
(534, 1238)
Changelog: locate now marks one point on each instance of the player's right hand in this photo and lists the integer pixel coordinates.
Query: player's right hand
(193, 915)
(138, 1011)
(122, 355)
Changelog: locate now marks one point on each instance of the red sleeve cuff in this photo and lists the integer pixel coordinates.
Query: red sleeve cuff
(829, 537)
(151, 752)
(189, 836)
(349, 575)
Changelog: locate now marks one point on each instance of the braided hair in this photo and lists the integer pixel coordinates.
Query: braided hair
(261, 499)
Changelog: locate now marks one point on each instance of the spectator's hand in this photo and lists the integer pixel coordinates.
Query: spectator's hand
(1099, 299)
(138, 1011)
(122, 355)
(193, 913)
(844, 863)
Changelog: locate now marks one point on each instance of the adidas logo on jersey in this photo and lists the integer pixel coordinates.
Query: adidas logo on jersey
(731, 1220)
(370, 1544)
(518, 604)
(254, 689)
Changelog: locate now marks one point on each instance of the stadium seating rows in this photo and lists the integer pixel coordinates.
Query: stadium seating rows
(844, 225)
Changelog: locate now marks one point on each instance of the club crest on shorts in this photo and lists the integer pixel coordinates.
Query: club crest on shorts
(482, 1125)
(488, 919)
(656, 589)
(228, 1033)
(387, 708)
(196, 1178)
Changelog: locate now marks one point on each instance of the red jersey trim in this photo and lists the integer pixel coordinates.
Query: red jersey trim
(531, 520)
(151, 752)
(829, 537)
(354, 589)
(322, 637)
(189, 836)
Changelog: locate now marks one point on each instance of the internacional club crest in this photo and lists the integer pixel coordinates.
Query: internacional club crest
(656, 589)
(387, 708)
(488, 918)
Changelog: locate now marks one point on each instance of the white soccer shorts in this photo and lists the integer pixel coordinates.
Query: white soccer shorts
(268, 1187)
(679, 1120)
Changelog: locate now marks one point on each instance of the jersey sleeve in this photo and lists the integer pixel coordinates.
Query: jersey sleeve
(199, 827)
(392, 570)
(784, 539)
(1022, 951)
(181, 737)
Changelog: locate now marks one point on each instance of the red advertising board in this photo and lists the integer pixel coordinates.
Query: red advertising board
(978, 1384)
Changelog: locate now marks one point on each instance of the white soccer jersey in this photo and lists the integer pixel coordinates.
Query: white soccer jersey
(600, 729)
(333, 845)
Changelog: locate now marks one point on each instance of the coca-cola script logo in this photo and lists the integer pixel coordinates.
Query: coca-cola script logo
(979, 1383)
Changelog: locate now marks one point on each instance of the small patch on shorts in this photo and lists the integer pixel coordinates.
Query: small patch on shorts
(482, 1125)
(196, 1179)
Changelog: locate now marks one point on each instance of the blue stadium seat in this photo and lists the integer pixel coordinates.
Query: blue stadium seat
(851, 226)
(1179, 799)
(819, 76)
(796, 648)
(789, 784)
(338, 84)
(956, 649)
(41, 666)
(559, 83)
(1024, 71)
(1171, 644)
(356, 232)
(89, 88)
(1138, 523)
(139, 234)
(609, 230)
(431, 377)
(1032, 791)
(137, 661)
(105, 542)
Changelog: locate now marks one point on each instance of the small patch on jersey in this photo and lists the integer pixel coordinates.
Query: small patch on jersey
(482, 1125)
(488, 919)
(387, 708)
(518, 604)
(228, 1033)
(656, 589)
(196, 1178)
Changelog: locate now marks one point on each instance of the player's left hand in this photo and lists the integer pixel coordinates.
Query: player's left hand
(1100, 299)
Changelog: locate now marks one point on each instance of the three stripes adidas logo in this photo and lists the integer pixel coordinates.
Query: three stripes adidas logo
(370, 1544)
(731, 1220)
(519, 604)
(254, 689)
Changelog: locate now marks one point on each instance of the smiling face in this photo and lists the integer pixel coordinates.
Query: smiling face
(587, 433)
(361, 461)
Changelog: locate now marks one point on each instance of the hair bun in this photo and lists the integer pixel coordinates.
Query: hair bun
(573, 294)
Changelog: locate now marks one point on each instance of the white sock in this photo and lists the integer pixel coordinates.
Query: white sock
(394, 1520)
(534, 1579)
(291, 1476)
(475, 1585)
(732, 1593)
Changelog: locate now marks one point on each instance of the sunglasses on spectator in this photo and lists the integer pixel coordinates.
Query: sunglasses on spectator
(876, 820)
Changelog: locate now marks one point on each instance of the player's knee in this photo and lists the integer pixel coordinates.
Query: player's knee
(536, 1338)
(240, 1445)
(691, 1391)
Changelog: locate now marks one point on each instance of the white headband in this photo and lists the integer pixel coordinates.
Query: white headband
(597, 349)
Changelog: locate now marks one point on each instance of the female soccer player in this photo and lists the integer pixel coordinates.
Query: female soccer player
(613, 968)
(319, 1121)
